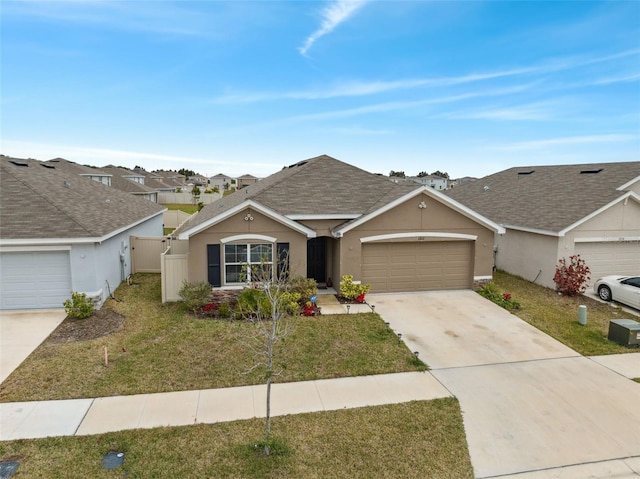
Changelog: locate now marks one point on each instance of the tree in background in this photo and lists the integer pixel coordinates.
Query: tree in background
(195, 192)
(441, 174)
(397, 174)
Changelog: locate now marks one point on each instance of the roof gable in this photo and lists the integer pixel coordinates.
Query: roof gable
(547, 199)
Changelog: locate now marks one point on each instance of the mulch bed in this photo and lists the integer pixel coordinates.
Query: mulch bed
(101, 323)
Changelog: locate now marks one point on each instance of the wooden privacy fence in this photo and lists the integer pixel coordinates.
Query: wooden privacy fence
(146, 252)
(175, 270)
(187, 198)
(174, 218)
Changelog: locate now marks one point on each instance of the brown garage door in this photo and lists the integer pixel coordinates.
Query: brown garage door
(423, 266)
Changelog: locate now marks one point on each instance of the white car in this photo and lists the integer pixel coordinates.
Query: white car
(623, 289)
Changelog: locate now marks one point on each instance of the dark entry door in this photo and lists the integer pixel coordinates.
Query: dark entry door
(317, 259)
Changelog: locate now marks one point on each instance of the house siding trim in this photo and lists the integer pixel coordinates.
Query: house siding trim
(434, 194)
(628, 184)
(185, 235)
(88, 240)
(37, 248)
(248, 237)
(609, 239)
(418, 234)
(622, 198)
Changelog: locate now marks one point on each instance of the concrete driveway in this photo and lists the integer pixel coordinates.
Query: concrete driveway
(21, 332)
(530, 404)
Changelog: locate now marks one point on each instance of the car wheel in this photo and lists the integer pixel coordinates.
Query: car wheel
(605, 293)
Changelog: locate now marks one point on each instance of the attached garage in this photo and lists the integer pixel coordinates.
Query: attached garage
(605, 258)
(34, 280)
(417, 266)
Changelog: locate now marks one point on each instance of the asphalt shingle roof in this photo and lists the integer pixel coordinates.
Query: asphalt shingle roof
(549, 198)
(317, 186)
(40, 201)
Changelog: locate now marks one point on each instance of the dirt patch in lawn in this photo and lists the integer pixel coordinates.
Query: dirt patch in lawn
(101, 323)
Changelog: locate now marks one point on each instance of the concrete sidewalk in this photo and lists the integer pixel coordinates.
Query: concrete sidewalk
(36, 419)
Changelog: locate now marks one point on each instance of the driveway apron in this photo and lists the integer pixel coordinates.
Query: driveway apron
(21, 332)
(529, 403)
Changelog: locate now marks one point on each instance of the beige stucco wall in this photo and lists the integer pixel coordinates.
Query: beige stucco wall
(621, 220)
(409, 217)
(532, 255)
(529, 255)
(237, 225)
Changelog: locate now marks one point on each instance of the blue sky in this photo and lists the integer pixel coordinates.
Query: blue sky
(466, 87)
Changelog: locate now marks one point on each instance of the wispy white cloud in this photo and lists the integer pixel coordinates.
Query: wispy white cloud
(618, 79)
(333, 15)
(359, 88)
(364, 88)
(539, 111)
(165, 18)
(566, 141)
(405, 105)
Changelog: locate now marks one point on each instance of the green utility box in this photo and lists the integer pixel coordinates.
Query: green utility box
(625, 332)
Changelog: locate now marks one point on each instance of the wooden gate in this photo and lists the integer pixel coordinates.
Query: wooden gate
(145, 253)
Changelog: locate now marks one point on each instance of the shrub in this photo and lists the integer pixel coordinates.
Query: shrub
(251, 302)
(492, 293)
(78, 307)
(195, 295)
(290, 301)
(350, 290)
(224, 311)
(571, 279)
(305, 287)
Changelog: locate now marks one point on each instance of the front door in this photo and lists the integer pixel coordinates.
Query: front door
(317, 259)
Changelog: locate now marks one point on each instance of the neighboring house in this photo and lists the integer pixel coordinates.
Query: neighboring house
(120, 178)
(90, 172)
(553, 212)
(222, 181)
(436, 182)
(246, 180)
(154, 181)
(131, 182)
(170, 177)
(60, 232)
(332, 219)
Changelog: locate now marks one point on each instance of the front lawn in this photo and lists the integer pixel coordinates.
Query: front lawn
(411, 440)
(557, 315)
(159, 348)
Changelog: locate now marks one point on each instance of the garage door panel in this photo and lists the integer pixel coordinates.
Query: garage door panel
(423, 266)
(610, 258)
(33, 280)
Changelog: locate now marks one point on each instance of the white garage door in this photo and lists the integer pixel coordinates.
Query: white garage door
(34, 280)
(424, 266)
(610, 258)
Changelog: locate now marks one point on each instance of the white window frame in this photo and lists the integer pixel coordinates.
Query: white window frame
(245, 264)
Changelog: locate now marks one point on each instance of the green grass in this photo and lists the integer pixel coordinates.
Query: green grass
(558, 315)
(412, 440)
(159, 348)
(187, 208)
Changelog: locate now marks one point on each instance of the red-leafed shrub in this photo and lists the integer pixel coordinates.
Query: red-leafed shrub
(571, 278)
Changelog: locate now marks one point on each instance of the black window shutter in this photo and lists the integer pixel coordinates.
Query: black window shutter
(283, 259)
(213, 263)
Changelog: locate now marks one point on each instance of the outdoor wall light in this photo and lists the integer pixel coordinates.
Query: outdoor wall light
(348, 308)
(422, 205)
